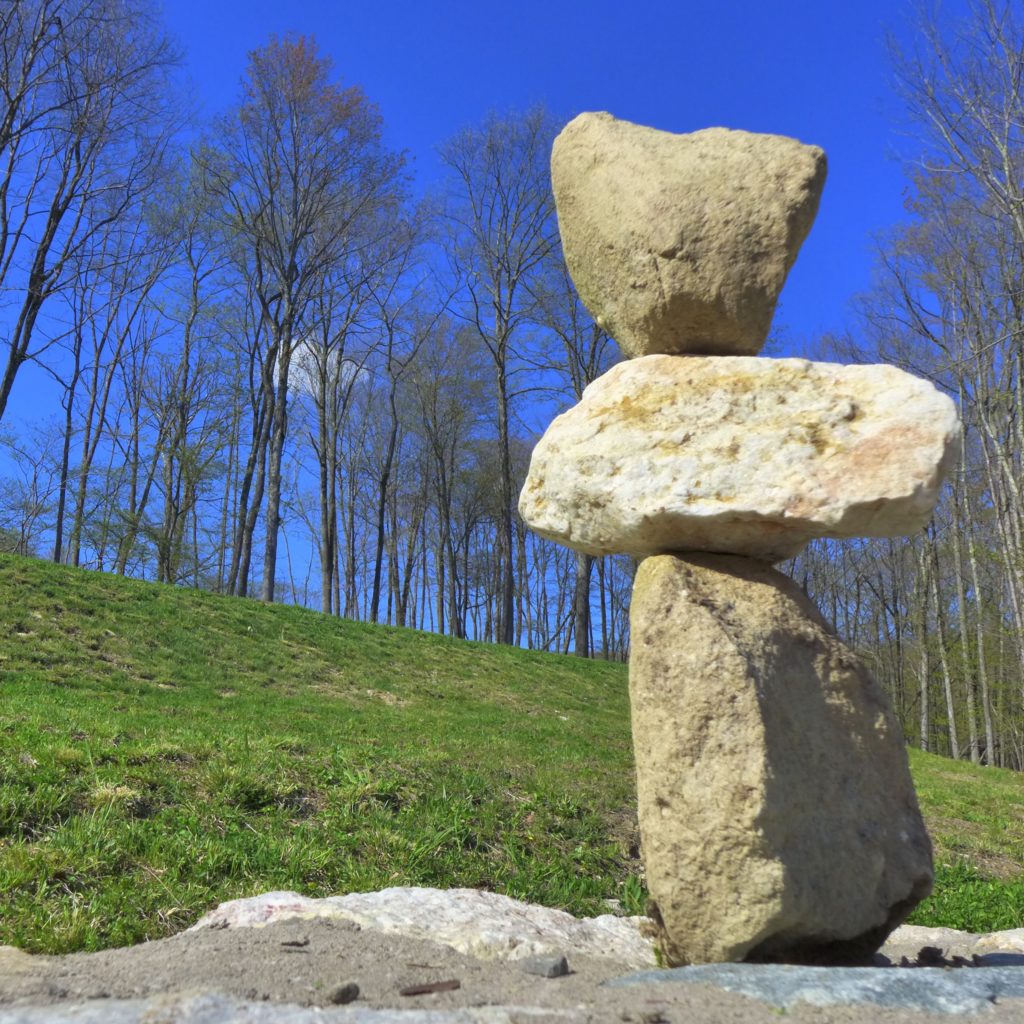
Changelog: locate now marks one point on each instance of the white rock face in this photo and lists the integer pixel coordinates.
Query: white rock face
(481, 924)
(1010, 941)
(682, 243)
(908, 939)
(740, 455)
(777, 812)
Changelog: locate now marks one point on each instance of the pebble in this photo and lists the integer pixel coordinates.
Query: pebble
(345, 993)
(545, 966)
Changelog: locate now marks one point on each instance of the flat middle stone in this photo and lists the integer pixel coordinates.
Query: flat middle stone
(740, 455)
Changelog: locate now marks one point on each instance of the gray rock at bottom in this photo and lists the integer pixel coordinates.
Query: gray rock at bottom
(777, 813)
(213, 1008)
(929, 990)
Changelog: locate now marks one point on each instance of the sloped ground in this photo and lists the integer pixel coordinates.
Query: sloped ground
(164, 750)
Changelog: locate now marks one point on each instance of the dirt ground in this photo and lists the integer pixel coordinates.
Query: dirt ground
(315, 963)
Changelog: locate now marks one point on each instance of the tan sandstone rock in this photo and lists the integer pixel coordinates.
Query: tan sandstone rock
(777, 811)
(682, 243)
(740, 455)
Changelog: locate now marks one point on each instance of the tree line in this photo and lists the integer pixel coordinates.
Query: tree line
(274, 372)
(941, 615)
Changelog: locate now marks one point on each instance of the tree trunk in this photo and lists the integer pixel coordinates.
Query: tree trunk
(947, 681)
(924, 661)
(506, 608)
(382, 498)
(581, 604)
(62, 491)
(277, 441)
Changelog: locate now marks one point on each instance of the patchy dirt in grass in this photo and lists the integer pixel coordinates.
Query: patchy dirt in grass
(967, 840)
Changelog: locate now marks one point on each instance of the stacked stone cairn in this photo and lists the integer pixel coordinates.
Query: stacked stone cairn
(777, 813)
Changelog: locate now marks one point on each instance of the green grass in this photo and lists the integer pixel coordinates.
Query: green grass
(163, 750)
(975, 816)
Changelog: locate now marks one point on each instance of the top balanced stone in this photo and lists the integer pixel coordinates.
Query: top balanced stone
(681, 243)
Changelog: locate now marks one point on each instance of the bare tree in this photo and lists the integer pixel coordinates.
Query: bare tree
(187, 390)
(582, 351)
(405, 327)
(85, 124)
(450, 398)
(500, 214)
(299, 171)
(348, 329)
(26, 496)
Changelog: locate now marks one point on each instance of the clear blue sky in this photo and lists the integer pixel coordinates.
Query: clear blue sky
(817, 71)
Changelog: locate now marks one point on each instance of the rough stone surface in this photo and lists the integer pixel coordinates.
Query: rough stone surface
(1011, 941)
(486, 925)
(740, 455)
(927, 990)
(777, 811)
(682, 243)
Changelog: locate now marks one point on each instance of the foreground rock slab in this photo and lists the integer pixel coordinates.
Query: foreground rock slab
(485, 925)
(289, 970)
(927, 990)
(215, 1008)
(682, 243)
(740, 455)
(777, 812)
(933, 992)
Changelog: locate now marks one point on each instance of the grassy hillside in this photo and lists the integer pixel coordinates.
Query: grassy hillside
(975, 817)
(163, 750)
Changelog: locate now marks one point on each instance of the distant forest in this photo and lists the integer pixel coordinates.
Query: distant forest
(271, 372)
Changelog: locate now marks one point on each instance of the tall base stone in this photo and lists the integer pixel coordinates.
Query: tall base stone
(777, 812)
